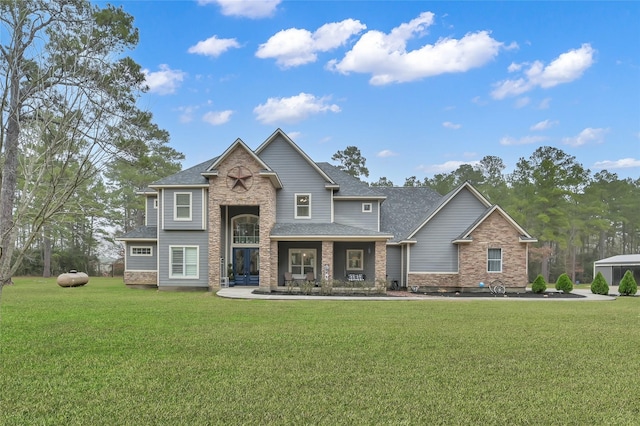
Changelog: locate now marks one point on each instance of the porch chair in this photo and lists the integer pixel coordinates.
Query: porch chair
(288, 279)
(309, 277)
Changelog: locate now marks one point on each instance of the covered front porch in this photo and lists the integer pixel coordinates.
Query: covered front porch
(317, 257)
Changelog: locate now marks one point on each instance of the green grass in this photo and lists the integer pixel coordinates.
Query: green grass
(107, 355)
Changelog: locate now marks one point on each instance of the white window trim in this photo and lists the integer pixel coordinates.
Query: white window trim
(295, 205)
(314, 265)
(360, 254)
(494, 248)
(367, 207)
(131, 253)
(155, 203)
(183, 276)
(175, 206)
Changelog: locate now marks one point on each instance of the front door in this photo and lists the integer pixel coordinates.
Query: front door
(246, 266)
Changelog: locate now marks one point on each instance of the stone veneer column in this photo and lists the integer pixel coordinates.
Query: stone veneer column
(327, 259)
(381, 261)
(260, 193)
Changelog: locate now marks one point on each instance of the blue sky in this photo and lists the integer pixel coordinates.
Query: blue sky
(418, 87)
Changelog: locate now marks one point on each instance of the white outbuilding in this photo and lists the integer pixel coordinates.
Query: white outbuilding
(614, 268)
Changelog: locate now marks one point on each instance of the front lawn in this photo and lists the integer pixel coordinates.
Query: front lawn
(107, 355)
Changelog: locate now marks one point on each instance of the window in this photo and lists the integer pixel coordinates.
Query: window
(303, 206)
(302, 261)
(184, 262)
(182, 210)
(246, 230)
(355, 260)
(155, 203)
(141, 251)
(367, 208)
(494, 260)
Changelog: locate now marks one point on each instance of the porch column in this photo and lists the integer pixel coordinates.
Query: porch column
(381, 261)
(273, 268)
(215, 218)
(327, 259)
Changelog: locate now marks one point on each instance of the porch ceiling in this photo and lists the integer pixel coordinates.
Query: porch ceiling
(324, 231)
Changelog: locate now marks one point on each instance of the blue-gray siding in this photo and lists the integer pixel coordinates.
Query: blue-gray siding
(151, 212)
(297, 177)
(435, 251)
(349, 212)
(394, 264)
(183, 238)
(142, 263)
(198, 197)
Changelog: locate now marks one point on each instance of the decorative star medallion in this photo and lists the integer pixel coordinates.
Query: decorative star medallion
(239, 178)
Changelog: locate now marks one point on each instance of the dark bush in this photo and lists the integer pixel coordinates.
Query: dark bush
(628, 285)
(539, 284)
(564, 284)
(599, 285)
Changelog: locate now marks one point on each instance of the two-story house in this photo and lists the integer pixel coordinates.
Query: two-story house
(256, 216)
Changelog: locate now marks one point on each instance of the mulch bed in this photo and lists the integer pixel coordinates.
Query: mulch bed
(525, 295)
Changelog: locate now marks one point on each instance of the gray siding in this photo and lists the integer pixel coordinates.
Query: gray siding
(340, 259)
(183, 238)
(349, 212)
(607, 273)
(142, 263)
(434, 251)
(394, 264)
(297, 177)
(151, 216)
(198, 197)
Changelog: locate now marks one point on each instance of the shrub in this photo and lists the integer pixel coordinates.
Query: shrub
(539, 284)
(599, 284)
(628, 285)
(564, 284)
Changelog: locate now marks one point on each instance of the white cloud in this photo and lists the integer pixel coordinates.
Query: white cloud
(523, 102)
(525, 140)
(450, 125)
(293, 109)
(213, 46)
(567, 67)
(545, 103)
(515, 67)
(623, 163)
(446, 167)
(165, 81)
(245, 8)
(186, 113)
(587, 135)
(386, 58)
(544, 125)
(294, 47)
(217, 118)
(386, 153)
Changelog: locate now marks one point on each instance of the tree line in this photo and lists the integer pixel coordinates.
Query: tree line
(578, 217)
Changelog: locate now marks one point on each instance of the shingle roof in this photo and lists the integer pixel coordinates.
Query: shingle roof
(333, 230)
(349, 185)
(190, 176)
(405, 208)
(141, 233)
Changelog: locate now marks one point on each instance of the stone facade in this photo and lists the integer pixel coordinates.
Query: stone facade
(141, 278)
(381, 263)
(224, 190)
(327, 259)
(494, 232)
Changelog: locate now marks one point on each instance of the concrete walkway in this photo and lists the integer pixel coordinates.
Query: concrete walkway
(247, 293)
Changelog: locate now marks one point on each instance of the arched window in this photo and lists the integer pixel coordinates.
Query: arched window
(246, 229)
